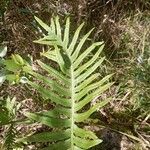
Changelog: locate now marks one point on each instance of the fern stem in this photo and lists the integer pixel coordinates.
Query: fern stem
(72, 107)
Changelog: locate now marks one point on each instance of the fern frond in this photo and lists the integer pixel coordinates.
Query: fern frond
(7, 120)
(70, 88)
(10, 135)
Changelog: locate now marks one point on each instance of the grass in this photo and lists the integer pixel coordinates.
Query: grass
(130, 62)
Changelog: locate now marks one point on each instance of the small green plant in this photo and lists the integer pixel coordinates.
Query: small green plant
(70, 86)
(11, 69)
(14, 68)
(8, 111)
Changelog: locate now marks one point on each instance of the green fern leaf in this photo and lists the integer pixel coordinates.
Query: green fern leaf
(71, 87)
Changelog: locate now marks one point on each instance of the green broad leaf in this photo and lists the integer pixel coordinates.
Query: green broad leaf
(49, 121)
(53, 28)
(86, 52)
(54, 73)
(66, 59)
(43, 25)
(85, 134)
(50, 95)
(11, 65)
(3, 51)
(60, 60)
(58, 28)
(88, 64)
(51, 54)
(51, 83)
(27, 69)
(91, 87)
(47, 136)
(46, 42)
(66, 34)
(58, 112)
(89, 71)
(88, 81)
(12, 78)
(49, 37)
(64, 145)
(77, 50)
(74, 40)
(18, 59)
(80, 117)
(86, 144)
(91, 96)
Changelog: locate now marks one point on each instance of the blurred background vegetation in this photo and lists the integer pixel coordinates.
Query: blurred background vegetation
(124, 25)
